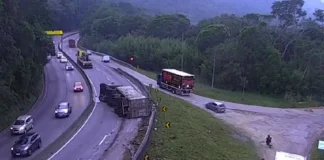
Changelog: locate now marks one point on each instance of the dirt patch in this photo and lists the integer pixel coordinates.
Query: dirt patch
(292, 132)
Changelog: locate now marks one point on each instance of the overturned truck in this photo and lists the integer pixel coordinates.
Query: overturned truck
(126, 101)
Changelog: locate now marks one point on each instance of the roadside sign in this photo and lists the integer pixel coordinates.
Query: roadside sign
(288, 156)
(321, 145)
(54, 32)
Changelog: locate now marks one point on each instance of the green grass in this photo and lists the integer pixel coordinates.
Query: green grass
(317, 154)
(7, 118)
(249, 98)
(195, 135)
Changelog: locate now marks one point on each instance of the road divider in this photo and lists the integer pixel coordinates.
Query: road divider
(79, 122)
(70, 34)
(141, 152)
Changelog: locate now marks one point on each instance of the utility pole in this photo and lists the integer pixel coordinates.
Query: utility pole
(182, 54)
(213, 77)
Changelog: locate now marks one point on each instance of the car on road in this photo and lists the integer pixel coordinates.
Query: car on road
(63, 60)
(89, 52)
(69, 67)
(22, 125)
(59, 55)
(64, 109)
(217, 107)
(105, 59)
(26, 145)
(78, 87)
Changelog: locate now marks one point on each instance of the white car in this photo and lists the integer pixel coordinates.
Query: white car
(89, 52)
(63, 60)
(59, 55)
(69, 67)
(105, 59)
(23, 124)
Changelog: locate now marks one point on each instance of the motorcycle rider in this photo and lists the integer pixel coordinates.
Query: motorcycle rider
(268, 140)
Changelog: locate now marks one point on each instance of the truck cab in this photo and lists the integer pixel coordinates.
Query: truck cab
(107, 93)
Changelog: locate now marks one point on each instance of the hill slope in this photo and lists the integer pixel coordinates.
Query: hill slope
(197, 10)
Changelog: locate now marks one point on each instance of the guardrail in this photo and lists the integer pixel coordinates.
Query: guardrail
(61, 140)
(143, 148)
(70, 34)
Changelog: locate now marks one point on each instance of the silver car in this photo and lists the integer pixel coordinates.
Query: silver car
(63, 110)
(22, 125)
(217, 107)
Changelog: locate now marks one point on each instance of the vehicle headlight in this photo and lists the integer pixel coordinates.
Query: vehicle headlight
(21, 128)
(12, 148)
(11, 128)
(26, 148)
(56, 111)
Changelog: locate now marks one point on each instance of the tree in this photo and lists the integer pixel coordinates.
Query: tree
(249, 53)
(168, 26)
(211, 36)
(288, 11)
(22, 55)
(319, 15)
(106, 27)
(132, 24)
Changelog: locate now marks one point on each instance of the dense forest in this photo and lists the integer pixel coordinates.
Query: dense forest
(24, 48)
(202, 9)
(277, 54)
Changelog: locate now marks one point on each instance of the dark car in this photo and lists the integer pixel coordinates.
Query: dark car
(216, 107)
(26, 144)
(63, 110)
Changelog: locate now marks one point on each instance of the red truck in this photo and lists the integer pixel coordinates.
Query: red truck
(178, 82)
(71, 43)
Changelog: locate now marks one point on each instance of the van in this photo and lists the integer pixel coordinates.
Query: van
(89, 52)
(105, 59)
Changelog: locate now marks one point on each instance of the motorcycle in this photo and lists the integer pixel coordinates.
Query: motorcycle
(269, 144)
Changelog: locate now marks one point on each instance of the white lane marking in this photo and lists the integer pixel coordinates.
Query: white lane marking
(98, 69)
(85, 122)
(108, 78)
(58, 151)
(103, 139)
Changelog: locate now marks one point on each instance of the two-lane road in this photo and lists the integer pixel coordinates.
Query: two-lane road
(103, 124)
(59, 88)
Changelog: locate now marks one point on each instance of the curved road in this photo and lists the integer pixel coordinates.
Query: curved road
(59, 88)
(103, 124)
(257, 122)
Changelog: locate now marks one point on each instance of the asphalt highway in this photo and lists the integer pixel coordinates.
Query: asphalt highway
(103, 124)
(59, 88)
